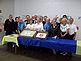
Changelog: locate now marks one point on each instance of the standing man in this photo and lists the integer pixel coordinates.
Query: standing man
(9, 25)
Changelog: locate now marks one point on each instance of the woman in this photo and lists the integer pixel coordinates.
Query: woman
(38, 25)
(54, 30)
(27, 19)
(30, 26)
(64, 27)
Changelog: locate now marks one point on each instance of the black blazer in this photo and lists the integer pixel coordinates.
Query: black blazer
(9, 26)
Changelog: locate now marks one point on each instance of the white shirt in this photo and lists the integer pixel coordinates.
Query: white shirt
(64, 28)
(30, 26)
(39, 27)
(72, 29)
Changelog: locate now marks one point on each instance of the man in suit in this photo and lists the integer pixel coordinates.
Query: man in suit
(9, 25)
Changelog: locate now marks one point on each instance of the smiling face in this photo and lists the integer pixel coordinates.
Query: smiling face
(64, 21)
(48, 20)
(27, 17)
(20, 20)
(17, 19)
(54, 21)
(10, 17)
(71, 20)
(31, 21)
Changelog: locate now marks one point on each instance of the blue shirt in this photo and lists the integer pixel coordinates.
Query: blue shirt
(47, 26)
(21, 26)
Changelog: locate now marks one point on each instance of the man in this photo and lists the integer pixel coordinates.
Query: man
(16, 24)
(44, 20)
(21, 25)
(72, 30)
(47, 25)
(9, 25)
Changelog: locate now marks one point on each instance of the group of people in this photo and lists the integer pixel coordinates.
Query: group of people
(57, 28)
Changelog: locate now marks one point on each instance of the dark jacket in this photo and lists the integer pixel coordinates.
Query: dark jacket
(15, 26)
(54, 31)
(9, 26)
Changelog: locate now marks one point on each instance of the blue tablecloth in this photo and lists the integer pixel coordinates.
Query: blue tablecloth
(51, 43)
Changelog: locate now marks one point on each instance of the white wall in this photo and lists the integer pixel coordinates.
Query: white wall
(42, 7)
(7, 7)
(50, 8)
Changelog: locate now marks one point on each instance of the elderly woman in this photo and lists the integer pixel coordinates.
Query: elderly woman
(38, 25)
(54, 30)
(30, 26)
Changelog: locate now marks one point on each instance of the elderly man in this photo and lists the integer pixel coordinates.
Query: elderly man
(21, 25)
(47, 24)
(9, 25)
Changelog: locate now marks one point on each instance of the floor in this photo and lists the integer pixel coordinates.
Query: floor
(33, 54)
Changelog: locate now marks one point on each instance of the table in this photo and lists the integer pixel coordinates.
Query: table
(51, 43)
(72, 46)
(10, 38)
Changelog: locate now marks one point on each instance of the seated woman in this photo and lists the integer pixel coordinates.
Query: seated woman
(30, 26)
(64, 27)
(72, 30)
(38, 26)
(27, 19)
(21, 25)
(54, 30)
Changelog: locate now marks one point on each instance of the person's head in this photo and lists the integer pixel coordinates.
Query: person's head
(71, 20)
(10, 17)
(45, 18)
(64, 16)
(56, 16)
(16, 19)
(41, 18)
(48, 20)
(64, 21)
(54, 22)
(27, 17)
(33, 17)
(20, 20)
(60, 19)
(31, 21)
(38, 20)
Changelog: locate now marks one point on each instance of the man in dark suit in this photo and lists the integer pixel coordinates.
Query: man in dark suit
(9, 25)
